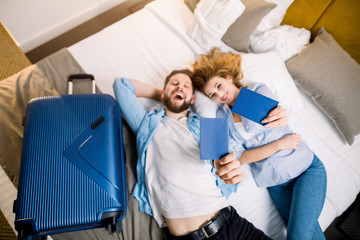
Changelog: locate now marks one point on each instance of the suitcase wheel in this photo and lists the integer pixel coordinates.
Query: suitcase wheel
(25, 232)
(112, 226)
(109, 219)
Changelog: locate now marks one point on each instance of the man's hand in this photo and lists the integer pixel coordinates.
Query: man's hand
(229, 169)
(276, 118)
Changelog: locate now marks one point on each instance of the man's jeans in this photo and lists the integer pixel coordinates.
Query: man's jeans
(234, 228)
(300, 202)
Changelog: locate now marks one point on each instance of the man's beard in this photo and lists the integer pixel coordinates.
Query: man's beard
(176, 109)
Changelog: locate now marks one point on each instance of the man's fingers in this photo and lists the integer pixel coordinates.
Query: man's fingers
(227, 159)
(238, 179)
(231, 174)
(235, 179)
(229, 170)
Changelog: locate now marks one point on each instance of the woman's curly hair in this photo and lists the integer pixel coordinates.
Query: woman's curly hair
(216, 63)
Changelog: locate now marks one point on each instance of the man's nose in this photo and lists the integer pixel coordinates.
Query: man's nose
(180, 87)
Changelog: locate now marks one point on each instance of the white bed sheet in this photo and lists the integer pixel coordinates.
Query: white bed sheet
(338, 157)
(150, 43)
(130, 48)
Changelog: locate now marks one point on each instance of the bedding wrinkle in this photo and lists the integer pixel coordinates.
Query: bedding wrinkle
(164, 14)
(285, 39)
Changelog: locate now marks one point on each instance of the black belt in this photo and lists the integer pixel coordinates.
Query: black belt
(212, 227)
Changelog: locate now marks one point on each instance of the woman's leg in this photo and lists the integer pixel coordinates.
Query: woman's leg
(281, 195)
(308, 198)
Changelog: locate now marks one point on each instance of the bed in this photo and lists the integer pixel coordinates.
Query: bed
(292, 57)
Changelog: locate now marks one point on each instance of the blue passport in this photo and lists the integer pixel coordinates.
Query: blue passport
(253, 105)
(214, 138)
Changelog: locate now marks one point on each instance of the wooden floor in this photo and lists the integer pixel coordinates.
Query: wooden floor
(6, 232)
(12, 59)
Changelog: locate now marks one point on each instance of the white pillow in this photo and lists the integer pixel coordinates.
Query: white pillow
(275, 16)
(269, 68)
(204, 106)
(211, 19)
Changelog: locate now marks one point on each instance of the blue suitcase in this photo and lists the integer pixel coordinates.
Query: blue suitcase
(72, 172)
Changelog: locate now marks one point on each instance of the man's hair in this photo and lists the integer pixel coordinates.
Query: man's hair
(183, 71)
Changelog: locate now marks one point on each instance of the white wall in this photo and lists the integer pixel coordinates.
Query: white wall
(34, 22)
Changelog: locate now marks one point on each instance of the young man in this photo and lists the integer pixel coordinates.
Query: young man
(180, 191)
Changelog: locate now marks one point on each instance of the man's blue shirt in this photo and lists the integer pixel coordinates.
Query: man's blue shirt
(143, 123)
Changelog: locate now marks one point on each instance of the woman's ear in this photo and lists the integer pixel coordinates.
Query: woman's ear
(229, 78)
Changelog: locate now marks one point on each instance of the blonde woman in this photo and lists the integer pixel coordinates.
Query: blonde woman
(280, 160)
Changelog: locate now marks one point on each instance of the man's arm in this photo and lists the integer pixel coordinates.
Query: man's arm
(132, 110)
(145, 90)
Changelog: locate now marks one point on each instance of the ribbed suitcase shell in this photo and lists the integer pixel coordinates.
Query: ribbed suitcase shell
(72, 167)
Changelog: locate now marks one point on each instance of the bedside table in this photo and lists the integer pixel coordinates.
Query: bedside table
(12, 59)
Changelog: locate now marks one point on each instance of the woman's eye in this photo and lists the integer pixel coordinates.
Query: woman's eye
(219, 85)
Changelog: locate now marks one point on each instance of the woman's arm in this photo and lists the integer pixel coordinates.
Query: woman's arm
(145, 90)
(291, 141)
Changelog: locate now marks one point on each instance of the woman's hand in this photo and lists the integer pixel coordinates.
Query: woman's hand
(276, 118)
(229, 169)
(291, 141)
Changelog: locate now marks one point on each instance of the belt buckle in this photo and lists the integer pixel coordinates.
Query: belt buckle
(204, 231)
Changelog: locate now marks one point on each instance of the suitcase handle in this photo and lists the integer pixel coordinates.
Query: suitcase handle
(80, 76)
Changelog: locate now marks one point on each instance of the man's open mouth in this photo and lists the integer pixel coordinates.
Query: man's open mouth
(179, 96)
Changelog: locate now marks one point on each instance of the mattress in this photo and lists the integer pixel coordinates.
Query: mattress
(150, 43)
